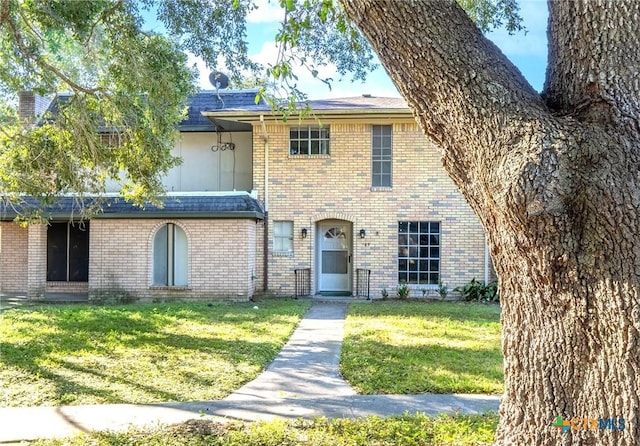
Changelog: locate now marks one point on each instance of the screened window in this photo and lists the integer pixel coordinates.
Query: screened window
(309, 140)
(68, 252)
(283, 236)
(419, 252)
(381, 155)
(170, 256)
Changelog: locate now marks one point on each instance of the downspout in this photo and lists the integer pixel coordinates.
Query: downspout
(265, 257)
(486, 260)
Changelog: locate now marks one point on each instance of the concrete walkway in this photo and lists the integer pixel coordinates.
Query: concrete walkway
(302, 381)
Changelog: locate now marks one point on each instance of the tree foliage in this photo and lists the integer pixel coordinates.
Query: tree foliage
(128, 88)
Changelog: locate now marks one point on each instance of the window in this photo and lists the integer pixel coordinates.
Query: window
(419, 252)
(283, 236)
(68, 252)
(381, 155)
(335, 255)
(170, 253)
(309, 141)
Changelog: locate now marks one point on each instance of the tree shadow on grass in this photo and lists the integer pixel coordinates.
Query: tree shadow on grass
(47, 343)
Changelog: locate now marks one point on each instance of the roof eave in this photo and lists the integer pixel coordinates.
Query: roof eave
(184, 214)
(254, 115)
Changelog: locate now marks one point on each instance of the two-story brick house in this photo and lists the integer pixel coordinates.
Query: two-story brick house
(353, 188)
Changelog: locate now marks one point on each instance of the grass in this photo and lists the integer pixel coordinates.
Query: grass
(139, 353)
(417, 347)
(406, 430)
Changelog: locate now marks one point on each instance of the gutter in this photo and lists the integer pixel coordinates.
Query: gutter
(265, 246)
(486, 260)
(152, 215)
(222, 215)
(349, 114)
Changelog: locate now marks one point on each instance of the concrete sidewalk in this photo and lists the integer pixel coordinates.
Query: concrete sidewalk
(302, 381)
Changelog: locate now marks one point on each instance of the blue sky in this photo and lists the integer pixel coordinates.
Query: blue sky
(528, 51)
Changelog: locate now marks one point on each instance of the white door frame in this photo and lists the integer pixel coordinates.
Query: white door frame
(339, 245)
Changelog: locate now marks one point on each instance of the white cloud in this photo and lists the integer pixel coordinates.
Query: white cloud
(530, 47)
(378, 83)
(203, 71)
(267, 11)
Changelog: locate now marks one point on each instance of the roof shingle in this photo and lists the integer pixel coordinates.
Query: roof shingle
(175, 206)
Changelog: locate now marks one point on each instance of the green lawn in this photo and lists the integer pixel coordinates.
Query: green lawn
(140, 353)
(406, 430)
(416, 347)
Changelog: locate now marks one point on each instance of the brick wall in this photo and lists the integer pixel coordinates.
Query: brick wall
(221, 259)
(37, 260)
(308, 190)
(13, 258)
(31, 105)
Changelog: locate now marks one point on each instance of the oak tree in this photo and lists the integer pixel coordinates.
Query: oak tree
(555, 180)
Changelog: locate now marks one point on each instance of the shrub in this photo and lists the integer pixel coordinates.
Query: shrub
(491, 292)
(443, 291)
(403, 291)
(475, 291)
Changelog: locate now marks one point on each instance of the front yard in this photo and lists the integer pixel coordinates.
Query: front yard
(140, 353)
(417, 347)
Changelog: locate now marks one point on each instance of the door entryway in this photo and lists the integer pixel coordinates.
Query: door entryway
(334, 255)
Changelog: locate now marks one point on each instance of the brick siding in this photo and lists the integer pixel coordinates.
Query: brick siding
(13, 258)
(308, 190)
(221, 259)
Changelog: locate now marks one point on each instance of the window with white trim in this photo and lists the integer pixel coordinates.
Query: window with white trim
(419, 252)
(283, 237)
(381, 155)
(170, 256)
(309, 140)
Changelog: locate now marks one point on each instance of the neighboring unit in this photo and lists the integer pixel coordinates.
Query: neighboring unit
(348, 201)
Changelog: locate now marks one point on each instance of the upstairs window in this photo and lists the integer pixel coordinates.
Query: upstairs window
(381, 155)
(170, 254)
(309, 140)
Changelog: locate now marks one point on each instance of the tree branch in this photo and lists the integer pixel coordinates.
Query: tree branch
(466, 95)
(106, 13)
(450, 62)
(594, 59)
(20, 43)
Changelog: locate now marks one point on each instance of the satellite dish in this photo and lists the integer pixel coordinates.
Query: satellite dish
(219, 80)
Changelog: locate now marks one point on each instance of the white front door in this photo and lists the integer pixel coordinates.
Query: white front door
(334, 256)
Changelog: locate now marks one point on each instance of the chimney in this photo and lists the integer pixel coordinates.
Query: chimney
(31, 105)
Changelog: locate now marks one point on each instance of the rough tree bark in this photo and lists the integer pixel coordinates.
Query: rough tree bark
(555, 180)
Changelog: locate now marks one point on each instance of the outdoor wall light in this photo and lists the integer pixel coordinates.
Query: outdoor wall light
(304, 232)
(363, 233)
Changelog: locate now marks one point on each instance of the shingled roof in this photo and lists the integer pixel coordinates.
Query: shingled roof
(364, 102)
(175, 206)
(243, 102)
(204, 100)
(356, 106)
(211, 100)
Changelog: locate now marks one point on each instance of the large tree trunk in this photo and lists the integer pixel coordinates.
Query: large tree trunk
(555, 180)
